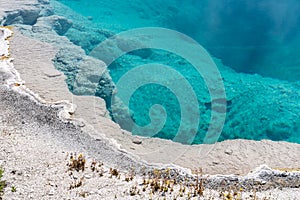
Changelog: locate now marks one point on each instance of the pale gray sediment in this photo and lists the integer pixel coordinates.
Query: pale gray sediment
(23, 113)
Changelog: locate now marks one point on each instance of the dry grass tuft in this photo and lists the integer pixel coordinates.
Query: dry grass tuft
(77, 162)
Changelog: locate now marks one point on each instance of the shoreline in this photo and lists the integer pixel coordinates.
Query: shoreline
(228, 157)
(37, 141)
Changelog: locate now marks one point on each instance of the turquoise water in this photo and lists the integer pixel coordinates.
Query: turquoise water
(255, 45)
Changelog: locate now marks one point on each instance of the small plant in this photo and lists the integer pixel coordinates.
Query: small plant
(199, 187)
(130, 176)
(97, 167)
(127, 179)
(76, 184)
(2, 183)
(94, 166)
(134, 191)
(114, 172)
(13, 189)
(83, 194)
(77, 163)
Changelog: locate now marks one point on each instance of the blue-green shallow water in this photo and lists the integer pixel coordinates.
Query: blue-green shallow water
(250, 36)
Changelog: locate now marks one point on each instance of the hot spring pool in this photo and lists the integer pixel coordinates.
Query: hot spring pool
(254, 44)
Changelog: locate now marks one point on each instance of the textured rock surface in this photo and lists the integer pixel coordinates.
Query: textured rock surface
(24, 12)
(57, 23)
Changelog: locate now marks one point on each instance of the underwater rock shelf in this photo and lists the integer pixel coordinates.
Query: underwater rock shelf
(257, 107)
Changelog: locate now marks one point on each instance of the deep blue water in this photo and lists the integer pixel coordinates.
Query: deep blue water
(249, 36)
